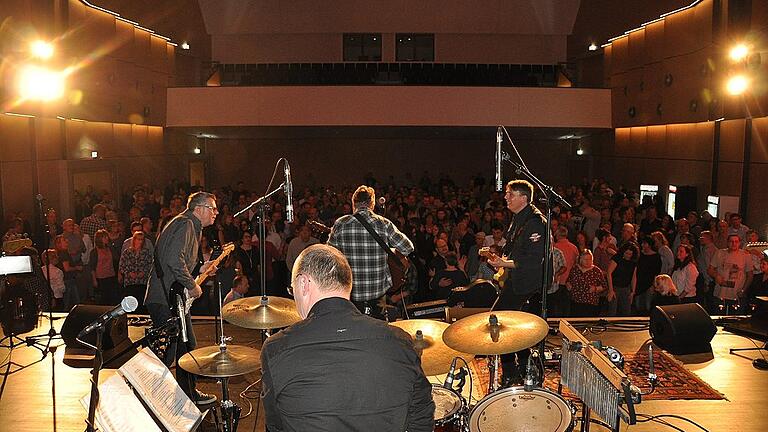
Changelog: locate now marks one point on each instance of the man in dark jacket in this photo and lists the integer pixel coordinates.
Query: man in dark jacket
(339, 370)
(523, 261)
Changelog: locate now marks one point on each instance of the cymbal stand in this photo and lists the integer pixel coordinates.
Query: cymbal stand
(493, 368)
(230, 411)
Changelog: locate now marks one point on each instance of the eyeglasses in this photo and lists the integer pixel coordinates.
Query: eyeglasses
(211, 208)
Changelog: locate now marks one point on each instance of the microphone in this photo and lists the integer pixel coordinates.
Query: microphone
(382, 202)
(288, 190)
(448, 383)
(528, 382)
(129, 304)
(499, 180)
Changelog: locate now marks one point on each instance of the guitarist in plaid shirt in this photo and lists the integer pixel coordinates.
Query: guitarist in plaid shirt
(370, 275)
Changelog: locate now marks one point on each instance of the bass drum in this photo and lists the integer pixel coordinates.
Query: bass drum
(516, 410)
(449, 408)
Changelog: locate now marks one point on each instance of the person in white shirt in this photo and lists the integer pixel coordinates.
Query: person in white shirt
(239, 289)
(496, 237)
(684, 274)
(731, 269)
(50, 260)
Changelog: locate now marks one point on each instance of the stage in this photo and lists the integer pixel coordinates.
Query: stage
(27, 401)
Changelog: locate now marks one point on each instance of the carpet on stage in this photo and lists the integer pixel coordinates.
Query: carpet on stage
(674, 380)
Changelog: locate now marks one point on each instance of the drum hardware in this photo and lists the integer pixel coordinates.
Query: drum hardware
(450, 409)
(594, 378)
(428, 341)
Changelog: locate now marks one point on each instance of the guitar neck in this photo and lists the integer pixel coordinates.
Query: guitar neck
(204, 275)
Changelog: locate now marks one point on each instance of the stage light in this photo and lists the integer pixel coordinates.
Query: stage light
(197, 150)
(41, 49)
(739, 52)
(184, 45)
(580, 151)
(592, 47)
(737, 85)
(94, 154)
(36, 83)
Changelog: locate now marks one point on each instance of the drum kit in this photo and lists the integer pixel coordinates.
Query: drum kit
(513, 409)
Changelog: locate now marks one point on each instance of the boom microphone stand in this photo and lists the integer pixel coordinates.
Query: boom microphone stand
(551, 197)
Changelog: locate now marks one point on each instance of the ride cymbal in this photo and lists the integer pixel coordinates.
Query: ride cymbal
(215, 362)
(427, 336)
(513, 331)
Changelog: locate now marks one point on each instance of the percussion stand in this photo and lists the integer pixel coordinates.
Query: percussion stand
(493, 368)
(230, 411)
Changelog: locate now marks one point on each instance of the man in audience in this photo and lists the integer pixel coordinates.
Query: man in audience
(96, 221)
(731, 270)
(298, 244)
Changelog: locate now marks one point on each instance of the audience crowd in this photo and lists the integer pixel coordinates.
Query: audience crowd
(613, 255)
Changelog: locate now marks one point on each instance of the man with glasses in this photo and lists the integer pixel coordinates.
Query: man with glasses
(337, 369)
(176, 255)
(523, 260)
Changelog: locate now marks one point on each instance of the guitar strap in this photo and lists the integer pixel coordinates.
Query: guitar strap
(375, 235)
(519, 230)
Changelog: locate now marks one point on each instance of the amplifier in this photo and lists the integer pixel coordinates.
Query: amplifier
(430, 309)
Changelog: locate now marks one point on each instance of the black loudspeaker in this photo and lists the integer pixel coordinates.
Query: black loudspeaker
(682, 329)
(115, 337)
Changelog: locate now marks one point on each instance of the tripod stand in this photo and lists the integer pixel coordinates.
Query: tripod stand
(760, 362)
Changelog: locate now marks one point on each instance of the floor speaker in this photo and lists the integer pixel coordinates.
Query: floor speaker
(115, 338)
(682, 329)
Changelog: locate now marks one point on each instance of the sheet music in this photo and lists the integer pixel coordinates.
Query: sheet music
(119, 410)
(159, 389)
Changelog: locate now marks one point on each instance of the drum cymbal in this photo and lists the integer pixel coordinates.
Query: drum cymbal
(212, 362)
(427, 336)
(515, 331)
(261, 312)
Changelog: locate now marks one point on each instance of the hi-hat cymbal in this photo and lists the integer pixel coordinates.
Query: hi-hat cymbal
(261, 312)
(427, 336)
(515, 331)
(212, 362)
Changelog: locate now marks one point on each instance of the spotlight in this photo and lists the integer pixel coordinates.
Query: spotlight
(36, 83)
(592, 47)
(739, 52)
(580, 151)
(184, 45)
(41, 49)
(197, 150)
(737, 85)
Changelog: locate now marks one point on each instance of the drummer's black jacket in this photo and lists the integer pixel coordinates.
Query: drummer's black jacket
(339, 370)
(525, 245)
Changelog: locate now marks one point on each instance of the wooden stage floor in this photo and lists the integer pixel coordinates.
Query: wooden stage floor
(27, 402)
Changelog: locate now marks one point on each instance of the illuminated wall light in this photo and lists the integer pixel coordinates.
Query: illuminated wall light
(592, 47)
(184, 45)
(36, 83)
(13, 114)
(41, 49)
(197, 150)
(94, 154)
(77, 119)
(739, 52)
(580, 151)
(737, 85)
(60, 118)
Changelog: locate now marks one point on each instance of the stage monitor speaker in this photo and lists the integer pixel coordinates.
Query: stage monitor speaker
(682, 329)
(114, 341)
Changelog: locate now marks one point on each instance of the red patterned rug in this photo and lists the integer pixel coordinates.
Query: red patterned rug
(674, 380)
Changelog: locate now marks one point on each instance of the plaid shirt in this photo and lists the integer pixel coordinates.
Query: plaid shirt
(90, 224)
(370, 274)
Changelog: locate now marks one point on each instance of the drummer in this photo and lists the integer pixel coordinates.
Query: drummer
(523, 261)
(339, 370)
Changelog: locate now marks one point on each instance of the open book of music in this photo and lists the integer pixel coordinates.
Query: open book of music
(144, 396)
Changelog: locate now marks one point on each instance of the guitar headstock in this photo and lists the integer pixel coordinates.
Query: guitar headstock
(318, 227)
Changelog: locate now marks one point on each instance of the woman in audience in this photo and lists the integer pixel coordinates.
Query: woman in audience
(135, 267)
(70, 270)
(664, 292)
(582, 242)
(585, 284)
(684, 274)
(661, 244)
(103, 271)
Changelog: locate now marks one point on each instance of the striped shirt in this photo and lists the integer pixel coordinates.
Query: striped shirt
(370, 274)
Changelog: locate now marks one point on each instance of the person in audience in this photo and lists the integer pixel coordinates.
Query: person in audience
(585, 284)
(731, 270)
(134, 268)
(452, 276)
(239, 289)
(622, 280)
(664, 292)
(71, 269)
(684, 274)
(298, 244)
(56, 278)
(661, 244)
(738, 228)
(648, 267)
(103, 270)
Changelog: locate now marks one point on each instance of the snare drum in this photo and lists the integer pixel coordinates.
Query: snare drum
(516, 410)
(448, 409)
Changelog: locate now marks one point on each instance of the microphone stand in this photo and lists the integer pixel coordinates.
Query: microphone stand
(260, 220)
(98, 362)
(551, 196)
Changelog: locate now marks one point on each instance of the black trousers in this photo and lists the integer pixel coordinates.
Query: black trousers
(160, 314)
(514, 364)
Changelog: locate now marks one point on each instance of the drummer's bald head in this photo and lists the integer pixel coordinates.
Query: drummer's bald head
(326, 266)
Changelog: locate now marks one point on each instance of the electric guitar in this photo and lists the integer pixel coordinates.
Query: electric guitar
(10, 247)
(501, 273)
(178, 293)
